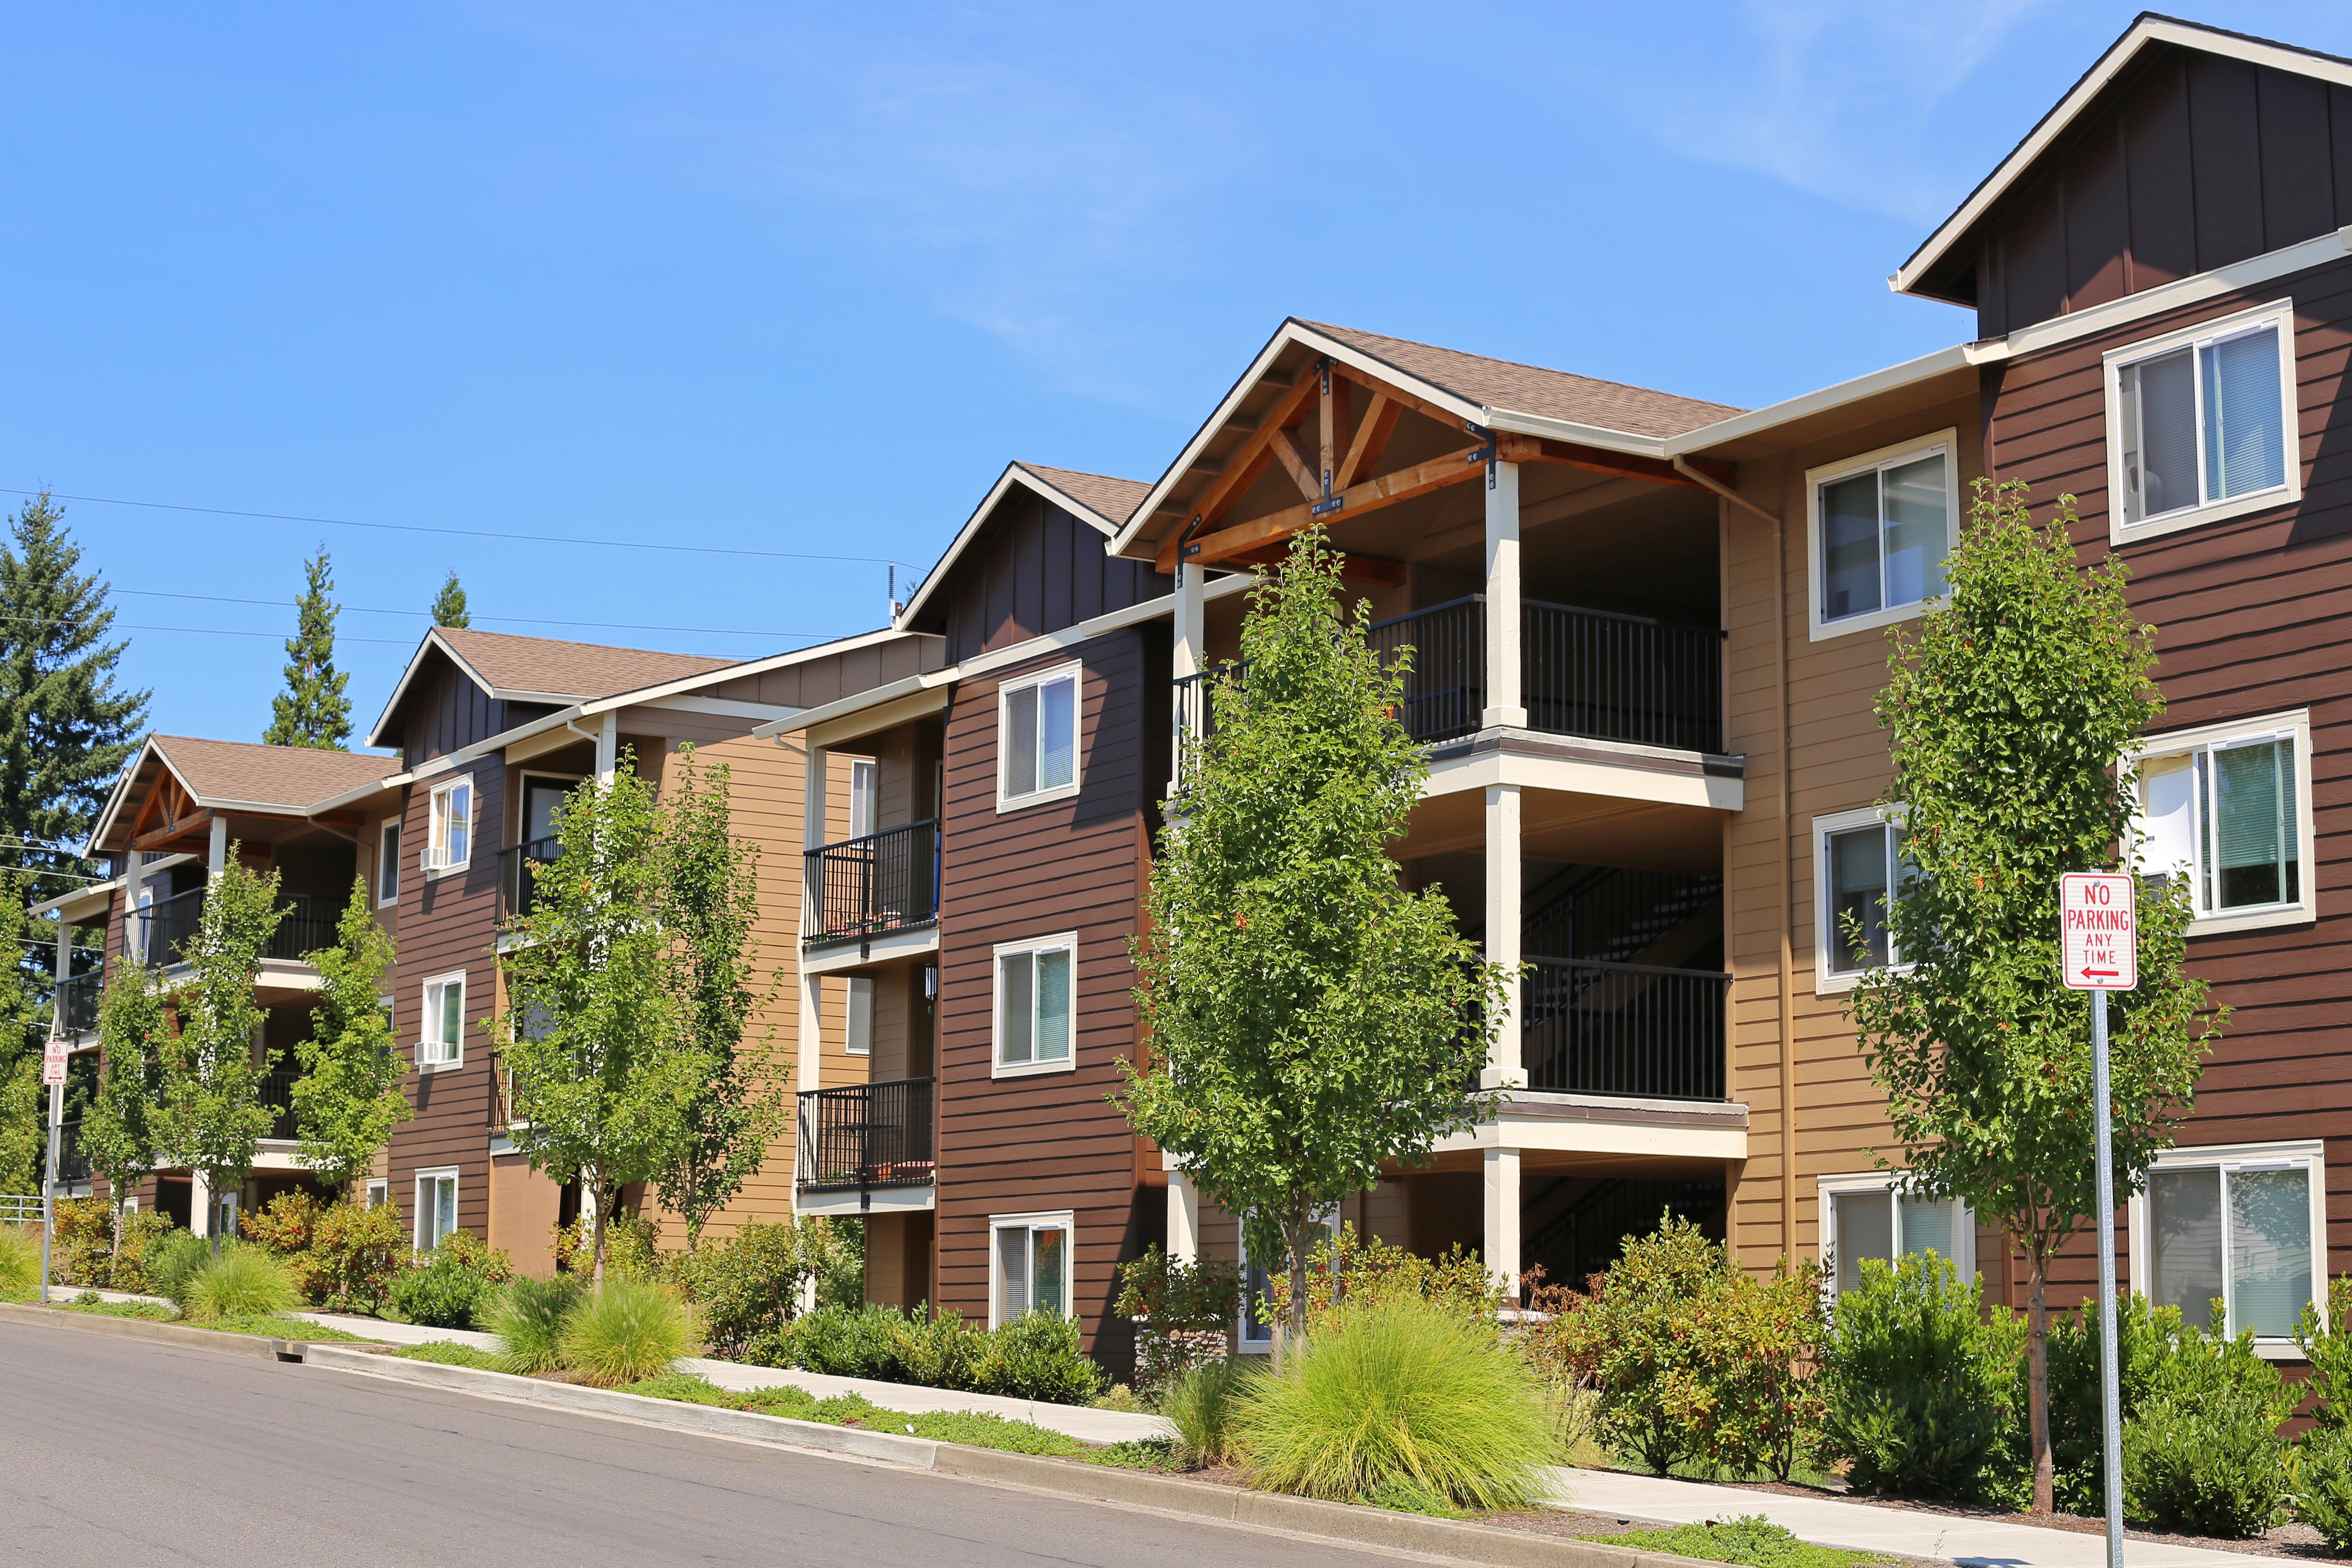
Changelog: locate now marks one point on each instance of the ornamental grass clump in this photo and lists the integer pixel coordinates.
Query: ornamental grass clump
(528, 1316)
(1200, 1406)
(20, 1263)
(1405, 1404)
(626, 1333)
(244, 1281)
(171, 1262)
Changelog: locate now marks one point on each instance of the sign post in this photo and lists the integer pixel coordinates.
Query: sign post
(2099, 930)
(53, 1073)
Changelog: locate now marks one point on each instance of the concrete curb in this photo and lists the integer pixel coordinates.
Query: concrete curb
(261, 1346)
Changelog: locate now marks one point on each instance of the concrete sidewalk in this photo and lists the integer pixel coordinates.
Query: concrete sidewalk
(1864, 1527)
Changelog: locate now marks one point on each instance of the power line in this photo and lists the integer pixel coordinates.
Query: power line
(470, 532)
(509, 620)
(194, 631)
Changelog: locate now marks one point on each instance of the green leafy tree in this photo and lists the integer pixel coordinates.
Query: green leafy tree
(211, 1118)
(67, 725)
(2007, 712)
(349, 1099)
(710, 897)
(1306, 1017)
(313, 711)
(449, 605)
(601, 1063)
(118, 1132)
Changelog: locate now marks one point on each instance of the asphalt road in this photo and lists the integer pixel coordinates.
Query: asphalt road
(119, 1453)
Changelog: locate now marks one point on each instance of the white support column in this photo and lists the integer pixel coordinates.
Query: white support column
(134, 934)
(63, 971)
(608, 747)
(1503, 1219)
(200, 1204)
(1183, 1216)
(811, 1036)
(1504, 702)
(216, 854)
(1505, 1068)
(1190, 703)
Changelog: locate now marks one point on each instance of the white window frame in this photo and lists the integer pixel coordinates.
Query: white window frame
(1828, 1189)
(1076, 672)
(435, 1174)
(857, 1016)
(1828, 982)
(2294, 725)
(997, 1066)
(434, 857)
(2310, 1154)
(1820, 626)
(1064, 1220)
(523, 797)
(2280, 312)
(430, 1019)
(387, 862)
(865, 797)
(379, 1191)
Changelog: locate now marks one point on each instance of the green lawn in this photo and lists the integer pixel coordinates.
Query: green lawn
(453, 1353)
(1750, 1540)
(973, 1430)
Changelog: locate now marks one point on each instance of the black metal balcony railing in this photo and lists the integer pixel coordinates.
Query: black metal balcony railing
(305, 925)
(884, 881)
(73, 1165)
(77, 1003)
(1629, 1029)
(519, 867)
(1445, 690)
(274, 1090)
(867, 1135)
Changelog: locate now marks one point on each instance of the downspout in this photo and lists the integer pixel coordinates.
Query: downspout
(1787, 833)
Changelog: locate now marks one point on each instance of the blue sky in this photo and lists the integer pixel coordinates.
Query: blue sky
(801, 279)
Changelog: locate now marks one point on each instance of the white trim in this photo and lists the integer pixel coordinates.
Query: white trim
(387, 866)
(1828, 982)
(1075, 672)
(435, 1173)
(849, 1015)
(1946, 441)
(377, 1191)
(1829, 399)
(2278, 315)
(433, 858)
(1829, 1188)
(1061, 942)
(2292, 725)
(1064, 1220)
(2054, 124)
(2309, 1153)
(1015, 473)
(523, 778)
(430, 1020)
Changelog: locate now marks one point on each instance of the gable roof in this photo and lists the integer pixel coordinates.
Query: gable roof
(1101, 501)
(2147, 29)
(232, 774)
(512, 668)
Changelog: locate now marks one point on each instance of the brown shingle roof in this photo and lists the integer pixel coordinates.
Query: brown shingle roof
(293, 776)
(1112, 498)
(579, 671)
(1531, 389)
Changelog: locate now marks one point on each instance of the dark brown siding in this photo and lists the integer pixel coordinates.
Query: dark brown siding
(2187, 162)
(446, 711)
(2254, 616)
(1053, 1141)
(1034, 569)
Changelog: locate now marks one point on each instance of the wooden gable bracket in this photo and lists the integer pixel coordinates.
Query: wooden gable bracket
(1241, 470)
(181, 828)
(1513, 449)
(1276, 528)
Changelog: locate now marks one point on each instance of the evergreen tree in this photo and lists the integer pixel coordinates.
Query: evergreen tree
(66, 728)
(449, 606)
(313, 711)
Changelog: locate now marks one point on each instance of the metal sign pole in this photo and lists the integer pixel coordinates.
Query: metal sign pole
(49, 1181)
(2110, 1365)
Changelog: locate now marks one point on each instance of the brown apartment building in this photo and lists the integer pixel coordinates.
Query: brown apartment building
(1649, 632)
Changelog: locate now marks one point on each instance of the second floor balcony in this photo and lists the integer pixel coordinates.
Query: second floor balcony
(867, 1135)
(519, 867)
(77, 1003)
(863, 887)
(1634, 1031)
(305, 925)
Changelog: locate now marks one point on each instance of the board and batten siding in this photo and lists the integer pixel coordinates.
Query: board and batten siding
(1051, 1142)
(1034, 569)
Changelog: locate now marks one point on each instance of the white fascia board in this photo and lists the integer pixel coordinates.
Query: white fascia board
(654, 696)
(1154, 498)
(842, 708)
(2147, 29)
(721, 707)
(119, 796)
(1927, 367)
(354, 796)
(433, 639)
(68, 905)
(1598, 436)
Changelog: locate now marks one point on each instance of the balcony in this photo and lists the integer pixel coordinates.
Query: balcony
(867, 1135)
(519, 867)
(863, 887)
(306, 925)
(73, 1165)
(77, 1003)
(1624, 1030)
(274, 1090)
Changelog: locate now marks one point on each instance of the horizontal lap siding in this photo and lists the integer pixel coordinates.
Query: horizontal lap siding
(1053, 1141)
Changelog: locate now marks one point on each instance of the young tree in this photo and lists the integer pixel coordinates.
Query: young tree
(709, 892)
(601, 1062)
(313, 711)
(2009, 711)
(449, 605)
(348, 1100)
(66, 727)
(118, 1132)
(211, 1118)
(1306, 1017)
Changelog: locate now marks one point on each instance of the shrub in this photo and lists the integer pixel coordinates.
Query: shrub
(1347, 1269)
(82, 1251)
(172, 1260)
(2324, 1484)
(20, 1263)
(939, 1350)
(1038, 1355)
(354, 1255)
(127, 1266)
(285, 1225)
(2209, 1465)
(457, 1276)
(843, 1343)
(1200, 1404)
(1181, 1313)
(1694, 1357)
(449, 1353)
(748, 1285)
(628, 1330)
(527, 1316)
(2329, 1351)
(1917, 1386)
(631, 1247)
(1397, 1401)
(1752, 1540)
(244, 1281)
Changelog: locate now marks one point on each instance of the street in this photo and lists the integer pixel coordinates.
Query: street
(117, 1453)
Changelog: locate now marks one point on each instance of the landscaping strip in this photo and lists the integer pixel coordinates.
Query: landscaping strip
(236, 1341)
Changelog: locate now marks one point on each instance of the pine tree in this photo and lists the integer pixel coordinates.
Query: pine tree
(313, 711)
(66, 727)
(449, 606)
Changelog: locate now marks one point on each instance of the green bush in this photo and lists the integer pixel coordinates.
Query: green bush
(354, 1255)
(2323, 1485)
(286, 1224)
(1200, 1404)
(244, 1281)
(450, 1352)
(142, 1229)
(631, 1247)
(843, 1343)
(2209, 1465)
(457, 1278)
(628, 1330)
(1348, 1270)
(20, 1263)
(173, 1260)
(1182, 1311)
(1038, 1355)
(2329, 1351)
(1917, 1386)
(1399, 1401)
(939, 1350)
(82, 1250)
(527, 1316)
(748, 1285)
